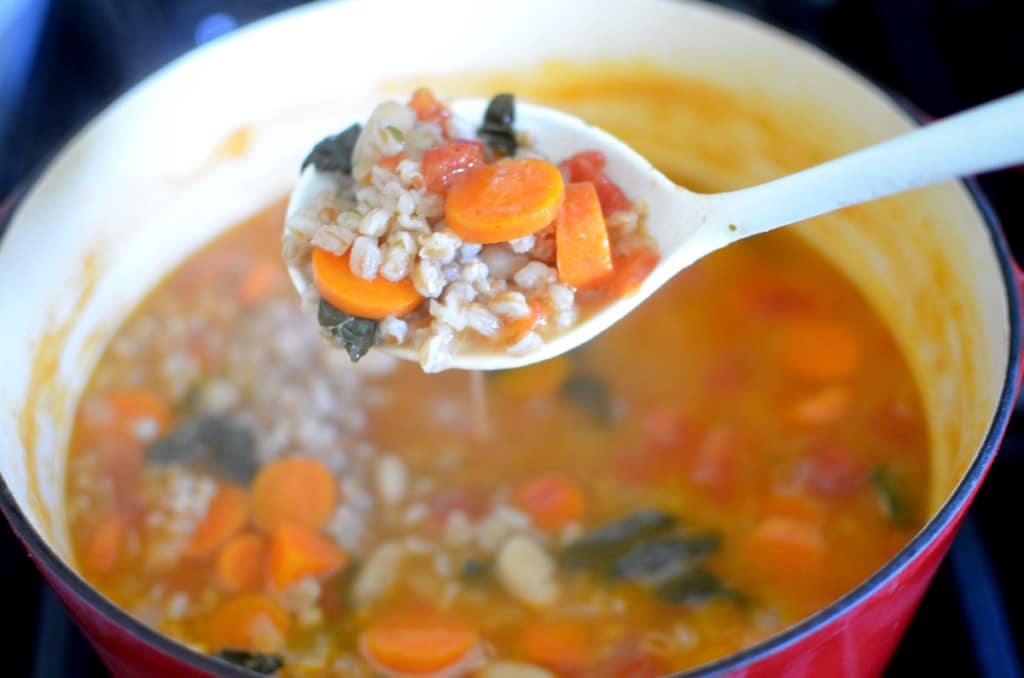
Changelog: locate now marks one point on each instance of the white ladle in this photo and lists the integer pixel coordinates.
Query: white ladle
(687, 226)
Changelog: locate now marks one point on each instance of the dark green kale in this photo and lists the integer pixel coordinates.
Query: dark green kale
(590, 394)
(660, 560)
(355, 335)
(601, 549)
(498, 130)
(649, 548)
(696, 587)
(253, 661)
(334, 153)
(213, 442)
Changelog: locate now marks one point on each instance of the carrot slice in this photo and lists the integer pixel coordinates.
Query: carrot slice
(377, 298)
(296, 490)
(821, 350)
(558, 645)
(552, 501)
(786, 549)
(259, 282)
(105, 546)
(539, 379)
(226, 516)
(418, 643)
(296, 552)
(251, 621)
(509, 199)
(581, 238)
(242, 563)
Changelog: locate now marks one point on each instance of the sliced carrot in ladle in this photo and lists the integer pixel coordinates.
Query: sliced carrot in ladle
(509, 199)
(343, 289)
(582, 251)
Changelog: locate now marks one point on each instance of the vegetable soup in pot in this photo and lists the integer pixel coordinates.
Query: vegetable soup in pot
(739, 452)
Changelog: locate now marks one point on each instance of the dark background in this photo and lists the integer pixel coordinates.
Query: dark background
(61, 61)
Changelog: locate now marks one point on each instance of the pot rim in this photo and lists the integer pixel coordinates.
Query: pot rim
(938, 524)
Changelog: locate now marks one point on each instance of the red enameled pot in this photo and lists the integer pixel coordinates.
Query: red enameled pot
(219, 133)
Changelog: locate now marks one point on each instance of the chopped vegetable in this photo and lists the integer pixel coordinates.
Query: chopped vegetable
(252, 661)
(427, 106)
(251, 621)
(536, 380)
(355, 335)
(422, 642)
(374, 299)
(630, 271)
(498, 130)
(786, 549)
(659, 560)
(821, 349)
(334, 153)
(602, 548)
(588, 166)
(590, 394)
(696, 587)
(296, 553)
(216, 443)
(242, 563)
(225, 517)
(509, 199)
(560, 645)
(552, 501)
(296, 490)
(582, 250)
(891, 494)
(444, 165)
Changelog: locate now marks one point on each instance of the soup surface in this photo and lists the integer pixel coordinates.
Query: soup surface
(740, 451)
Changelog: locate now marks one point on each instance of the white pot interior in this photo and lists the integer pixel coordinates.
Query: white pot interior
(220, 133)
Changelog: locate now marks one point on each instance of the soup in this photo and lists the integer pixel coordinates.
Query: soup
(743, 449)
(444, 235)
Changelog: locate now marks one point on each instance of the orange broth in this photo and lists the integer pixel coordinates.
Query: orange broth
(757, 400)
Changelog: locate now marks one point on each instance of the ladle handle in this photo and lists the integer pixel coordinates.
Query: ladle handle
(981, 139)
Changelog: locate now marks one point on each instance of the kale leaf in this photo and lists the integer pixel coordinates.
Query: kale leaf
(355, 335)
(498, 130)
(334, 153)
(590, 394)
(213, 442)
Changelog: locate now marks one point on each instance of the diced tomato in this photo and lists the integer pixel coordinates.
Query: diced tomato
(589, 166)
(390, 162)
(444, 164)
(835, 471)
(427, 106)
(717, 465)
(630, 270)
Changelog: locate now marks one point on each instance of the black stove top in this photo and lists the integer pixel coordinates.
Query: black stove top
(942, 55)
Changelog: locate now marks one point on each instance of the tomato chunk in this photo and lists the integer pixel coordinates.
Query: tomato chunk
(589, 166)
(428, 108)
(444, 164)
